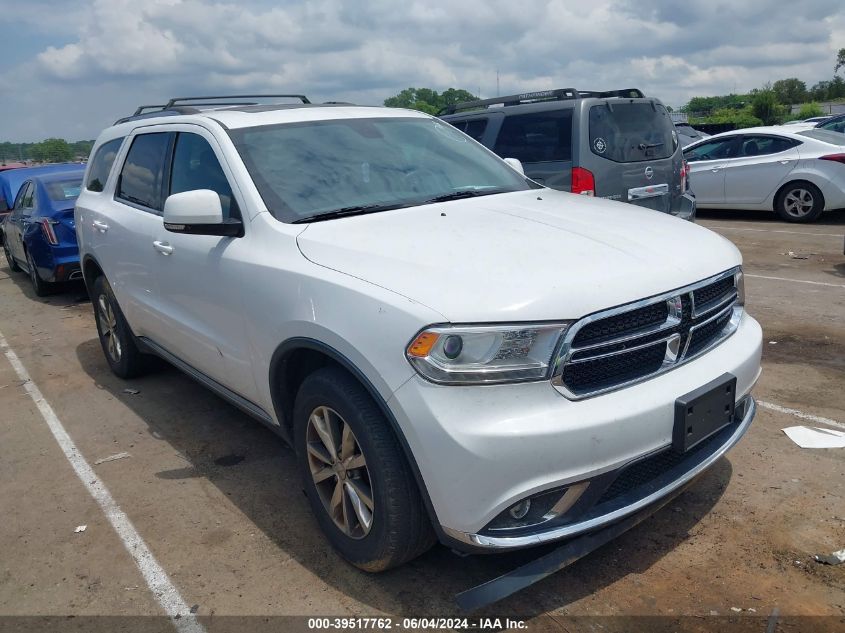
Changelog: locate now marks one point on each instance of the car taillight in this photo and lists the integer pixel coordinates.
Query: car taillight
(49, 234)
(583, 182)
(836, 158)
(684, 176)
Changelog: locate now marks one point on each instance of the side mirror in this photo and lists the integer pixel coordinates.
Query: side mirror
(199, 212)
(515, 165)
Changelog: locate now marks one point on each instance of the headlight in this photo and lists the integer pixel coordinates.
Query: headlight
(739, 282)
(485, 354)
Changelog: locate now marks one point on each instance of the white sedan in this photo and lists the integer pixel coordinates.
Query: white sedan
(798, 173)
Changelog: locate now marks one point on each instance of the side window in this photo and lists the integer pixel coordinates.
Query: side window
(101, 165)
(25, 202)
(196, 167)
(22, 194)
(143, 172)
(536, 138)
(762, 145)
(713, 150)
(473, 128)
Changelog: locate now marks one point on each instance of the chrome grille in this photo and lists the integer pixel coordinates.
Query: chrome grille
(625, 345)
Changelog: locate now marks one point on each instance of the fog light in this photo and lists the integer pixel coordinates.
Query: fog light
(520, 510)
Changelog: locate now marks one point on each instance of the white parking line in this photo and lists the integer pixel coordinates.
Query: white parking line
(738, 228)
(156, 578)
(800, 414)
(797, 281)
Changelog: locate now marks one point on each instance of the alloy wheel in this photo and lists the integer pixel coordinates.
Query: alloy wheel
(107, 326)
(339, 472)
(798, 203)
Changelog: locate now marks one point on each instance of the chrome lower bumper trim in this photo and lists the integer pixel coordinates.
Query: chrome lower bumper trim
(481, 541)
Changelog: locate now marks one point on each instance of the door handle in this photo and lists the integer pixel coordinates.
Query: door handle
(716, 169)
(163, 247)
(785, 162)
(102, 227)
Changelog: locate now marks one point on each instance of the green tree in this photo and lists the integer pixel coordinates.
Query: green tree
(789, 91)
(840, 60)
(52, 150)
(428, 100)
(764, 106)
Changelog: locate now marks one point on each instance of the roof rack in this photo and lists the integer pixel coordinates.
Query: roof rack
(560, 94)
(177, 100)
(190, 105)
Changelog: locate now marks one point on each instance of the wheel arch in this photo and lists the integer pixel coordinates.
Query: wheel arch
(91, 269)
(294, 359)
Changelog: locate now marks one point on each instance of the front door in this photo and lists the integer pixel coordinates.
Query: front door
(707, 162)
(199, 281)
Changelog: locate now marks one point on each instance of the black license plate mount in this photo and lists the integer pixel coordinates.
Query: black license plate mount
(703, 412)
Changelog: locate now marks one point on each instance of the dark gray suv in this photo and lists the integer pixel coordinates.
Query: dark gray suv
(618, 144)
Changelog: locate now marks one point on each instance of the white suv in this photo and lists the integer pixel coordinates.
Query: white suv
(455, 352)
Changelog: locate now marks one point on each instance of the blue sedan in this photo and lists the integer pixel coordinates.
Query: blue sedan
(39, 235)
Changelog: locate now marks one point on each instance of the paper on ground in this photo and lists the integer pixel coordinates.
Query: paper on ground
(815, 437)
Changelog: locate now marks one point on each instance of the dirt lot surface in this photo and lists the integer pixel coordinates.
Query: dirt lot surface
(215, 495)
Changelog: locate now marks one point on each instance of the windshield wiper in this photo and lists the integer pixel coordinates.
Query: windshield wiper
(345, 212)
(458, 195)
(644, 146)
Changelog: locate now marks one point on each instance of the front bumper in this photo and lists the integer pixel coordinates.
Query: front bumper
(481, 449)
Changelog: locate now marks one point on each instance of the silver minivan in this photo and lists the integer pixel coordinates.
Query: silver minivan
(619, 144)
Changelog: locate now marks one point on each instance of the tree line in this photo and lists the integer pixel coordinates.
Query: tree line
(771, 104)
(51, 150)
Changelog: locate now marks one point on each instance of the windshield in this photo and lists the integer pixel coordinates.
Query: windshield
(59, 190)
(303, 170)
(632, 132)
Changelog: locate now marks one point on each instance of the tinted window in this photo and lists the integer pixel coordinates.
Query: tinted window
(98, 173)
(834, 126)
(714, 149)
(141, 177)
(536, 138)
(762, 145)
(303, 169)
(474, 128)
(64, 189)
(196, 167)
(631, 132)
(23, 192)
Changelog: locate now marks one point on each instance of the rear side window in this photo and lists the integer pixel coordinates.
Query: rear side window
(536, 138)
(762, 145)
(632, 132)
(101, 164)
(196, 167)
(142, 174)
(474, 128)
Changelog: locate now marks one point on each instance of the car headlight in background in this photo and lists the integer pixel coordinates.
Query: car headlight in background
(485, 354)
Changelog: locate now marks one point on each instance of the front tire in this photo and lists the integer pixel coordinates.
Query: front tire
(357, 480)
(13, 265)
(116, 339)
(799, 202)
(42, 288)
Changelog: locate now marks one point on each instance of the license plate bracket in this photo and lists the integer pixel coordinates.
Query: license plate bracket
(703, 412)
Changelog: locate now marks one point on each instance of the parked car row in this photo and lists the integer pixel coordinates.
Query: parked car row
(454, 351)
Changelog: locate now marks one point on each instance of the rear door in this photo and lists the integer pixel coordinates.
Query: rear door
(707, 161)
(762, 164)
(20, 218)
(631, 150)
(542, 141)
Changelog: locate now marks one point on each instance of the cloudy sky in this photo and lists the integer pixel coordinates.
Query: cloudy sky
(70, 67)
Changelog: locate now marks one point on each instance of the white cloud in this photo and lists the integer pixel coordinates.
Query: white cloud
(110, 55)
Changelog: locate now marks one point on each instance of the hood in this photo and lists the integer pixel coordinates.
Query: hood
(522, 256)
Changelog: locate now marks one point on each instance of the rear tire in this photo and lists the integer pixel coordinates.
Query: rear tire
(348, 455)
(116, 339)
(42, 288)
(13, 265)
(799, 201)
